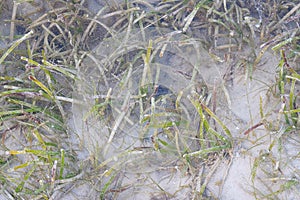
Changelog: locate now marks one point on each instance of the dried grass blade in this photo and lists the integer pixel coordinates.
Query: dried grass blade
(259, 56)
(89, 27)
(294, 9)
(117, 123)
(191, 16)
(13, 18)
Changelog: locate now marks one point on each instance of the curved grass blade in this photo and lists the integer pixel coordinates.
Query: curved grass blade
(227, 131)
(15, 44)
(42, 86)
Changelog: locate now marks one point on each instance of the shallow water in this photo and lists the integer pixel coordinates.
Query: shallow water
(183, 68)
(134, 123)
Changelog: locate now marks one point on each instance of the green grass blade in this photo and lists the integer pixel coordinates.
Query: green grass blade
(106, 186)
(217, 120)
(26, 164)
(15, 44)
(20, 187)
(12, 113)
(39, 138)
(62, 163)
(18, 91)
(261, 112)
(254, 168)
(41, 85)
(204, 152)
